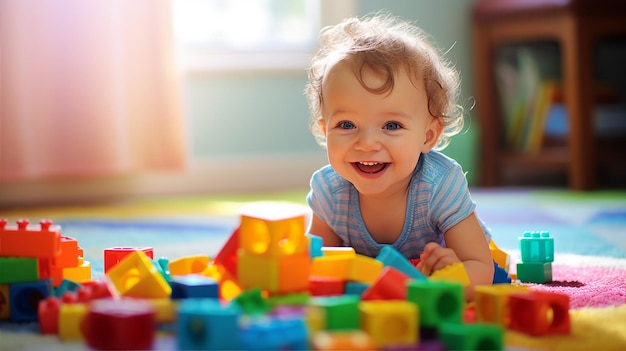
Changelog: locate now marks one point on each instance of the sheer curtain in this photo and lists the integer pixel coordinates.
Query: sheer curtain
(88, 88)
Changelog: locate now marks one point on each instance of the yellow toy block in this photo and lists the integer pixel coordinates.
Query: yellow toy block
(5, 310)
(390, 323)
(334, 266)
(165, 310)
(492, 302)
(137, 276)
(501, 258)
(229, 287)
(275, 274)
(315, 318)
(188, 265)
(453, 273)
(70, 317)
(338, 250)
(79, 274)
(355, 340)
(364, 269)
(273, 229)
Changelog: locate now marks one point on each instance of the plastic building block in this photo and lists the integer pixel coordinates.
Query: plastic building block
(356, 340)
(492, 302)
(80, 273)
(390, 285)
(341, 312)
(536, 247)
(540, 313)
(188, 265)
(70, 252)
(282, 274)
(65, 286)
(476, 336)
(501, 258)
(137, 276)
(165, 310)
(227, 256)
(338, 251)
(70, 318)
(273, 229)
(114, 255)
(18, 269)
(356, 288)
(162, 264)
(331, 266)
(500, 276)
(315, 245)
(390, 323)
(534, 272)
(94, 290)
(24, 299)
(229, 287)
(252, 302)
(364, 269)
(24, 240)
(193, 286)
(438, 301)
(48, 315)
(206, 324)
(455, 273)
(119, 324)
(391, 257)
(269, 333)
(5, 310)
(292, 299)
(326, 286)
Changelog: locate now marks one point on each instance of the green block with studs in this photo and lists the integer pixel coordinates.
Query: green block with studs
(18, 270)
(438, 301)
(534, 272)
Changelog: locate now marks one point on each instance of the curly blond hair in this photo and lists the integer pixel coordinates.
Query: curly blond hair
(386, 44)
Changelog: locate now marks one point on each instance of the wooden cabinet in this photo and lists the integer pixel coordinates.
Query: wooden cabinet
(576, 26)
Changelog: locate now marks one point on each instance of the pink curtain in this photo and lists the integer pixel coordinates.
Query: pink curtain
(88, 88)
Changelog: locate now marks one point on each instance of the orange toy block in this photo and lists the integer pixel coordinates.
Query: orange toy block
(227, 256)
(334, 266)
(540, 313)
(364, 269)
(275, 274)
(70, 252)
(114, 255)
(229, 287)
(492, 302)
(79, 274)
(24, 240)
(189, 265)
(390, 285)
(338, 250)
(390, 323)
(355, 340)
(501, 258)
(455, 273)
(273, 229)
(137, 276)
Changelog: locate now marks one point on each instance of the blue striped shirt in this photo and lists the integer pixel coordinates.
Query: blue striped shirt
(439, 199)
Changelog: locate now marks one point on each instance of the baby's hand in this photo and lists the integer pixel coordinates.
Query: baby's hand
(436, 257)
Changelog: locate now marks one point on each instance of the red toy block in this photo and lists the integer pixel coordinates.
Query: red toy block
(114, 255)
(70, 252)
(326, 286)
(390, 285)
(539, 313)
(119, 324)
(24, 240)
(48, 313)
(227, 256)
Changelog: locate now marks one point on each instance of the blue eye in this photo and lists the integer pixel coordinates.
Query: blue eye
(392, 126)
(345, 125)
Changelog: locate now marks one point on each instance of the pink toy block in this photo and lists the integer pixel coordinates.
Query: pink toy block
(24, 240)
(539, 313)
(390, 285)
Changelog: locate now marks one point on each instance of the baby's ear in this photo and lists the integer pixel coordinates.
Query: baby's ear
(433, 132)
(321, 124)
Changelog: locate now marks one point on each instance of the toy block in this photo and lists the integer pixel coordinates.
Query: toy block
(454, 273)
(24, 299)
(79, 274)
(364, 269)
(70, 252)
(24, 240)
(165, 310)
(227, 256)
(536, 247)
(341, 312)
(315, 318)
(500, 276)
(356, 340)
(315, 245)
(476, 336)
(291, 299)
(66, 286)
(188, 265)
(137, 276)
(44, 266)
(391, 284)
(48, 315)
(281, 274)
(338, 251)
(206, 324)
(162, 265)
(391, 257)
(326, 286)
(252, 302)
(438, 301)
(193, 286)
(93, 290)
(492, 302)
(333, 266)
(119, 324)
(534, 272)
(274, 334)
(18, 270)
(229, 287)
(390, 323)
(273, 229)
(501, 258)
(71, 316)
(540, 313)
(114, 255)
(356, 288)
(5, 303)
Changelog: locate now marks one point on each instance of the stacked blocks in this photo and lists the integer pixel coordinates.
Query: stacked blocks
(537, 254)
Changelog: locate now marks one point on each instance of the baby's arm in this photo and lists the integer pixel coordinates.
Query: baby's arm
(465, 243)
(323, 230)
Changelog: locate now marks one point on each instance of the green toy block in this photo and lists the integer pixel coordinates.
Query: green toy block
(18, 270)
(294, 299)
(536, 247)
(534, 272)
(342, 312)
(438, 301)
(252, 302)
(476, 336)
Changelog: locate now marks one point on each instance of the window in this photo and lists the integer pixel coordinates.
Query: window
(252, 34)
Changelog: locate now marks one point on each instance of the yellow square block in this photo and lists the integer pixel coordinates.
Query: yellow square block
(337, 266)
(70, 317)
(5, 310)
(80, 274)
(165, 310)
(189, 265)
(454, 273)
(137, 276)
(390, 323)
(275, 274)
(273, 229)
(364, 269)
(492, 302)
(338, 250)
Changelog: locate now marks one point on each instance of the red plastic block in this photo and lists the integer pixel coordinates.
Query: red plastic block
(24, 240)
(48, 312)
(113, 324)
(390, 285)
(227, 257)
(326, 286)
(69, 253)
(539, 313)
(114, 255)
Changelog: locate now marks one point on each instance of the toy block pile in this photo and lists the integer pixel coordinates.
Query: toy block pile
(35, 262)
(537, 255)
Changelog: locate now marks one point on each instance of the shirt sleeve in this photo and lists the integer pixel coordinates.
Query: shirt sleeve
(319, 197)
(451, 201)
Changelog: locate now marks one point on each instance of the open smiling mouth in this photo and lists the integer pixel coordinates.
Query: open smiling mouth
(370, 167)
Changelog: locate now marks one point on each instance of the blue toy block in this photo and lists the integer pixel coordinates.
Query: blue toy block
(536, 247)
(66, 286)
(391, 257)
(355, 288)
(194, 286)
(24, 299)
(316, 244)
(500, 275)
(534, 272)
(206, 324)
(270, 333)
